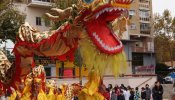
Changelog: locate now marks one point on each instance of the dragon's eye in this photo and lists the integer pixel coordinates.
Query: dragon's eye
(88, 1)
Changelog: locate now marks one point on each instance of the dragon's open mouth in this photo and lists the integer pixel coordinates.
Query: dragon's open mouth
(98, 28)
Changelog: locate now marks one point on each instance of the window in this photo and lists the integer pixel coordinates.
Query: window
(132, 12)
(137, 59)
(132, 26)
(144, 13)
(44, 0)
(38, 21)
(48, 71)
(144, 1)
(144, 26)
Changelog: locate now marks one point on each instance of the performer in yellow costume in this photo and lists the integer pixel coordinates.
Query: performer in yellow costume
(41, 94)
(27, 90)
(59, 95)
(13, 95)
(90, 90)
(50, 95)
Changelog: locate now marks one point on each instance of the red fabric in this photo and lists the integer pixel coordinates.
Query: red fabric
(106, 95)
(105, 34)
(101, 29)
(69, 55)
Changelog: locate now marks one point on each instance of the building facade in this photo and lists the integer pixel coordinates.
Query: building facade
(138, 41)
(142, 56)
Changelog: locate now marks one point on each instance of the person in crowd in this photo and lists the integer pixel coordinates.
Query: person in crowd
(137, 94)
(110, 87)
(117, 90)
(107, 94)
(122, 86)
(113, 95)
(173, 92)
(148, 92)
(157, 91)
(129, 87)
(126, 93)
(132, 94)
(121, 96)
(143, 94)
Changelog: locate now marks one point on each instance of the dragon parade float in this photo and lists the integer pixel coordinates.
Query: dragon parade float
(92, 26)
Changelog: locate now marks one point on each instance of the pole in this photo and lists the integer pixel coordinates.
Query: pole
(80, 63)
(5, 46)
(80, 74)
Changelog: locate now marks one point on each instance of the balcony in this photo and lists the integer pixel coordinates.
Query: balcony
(145, 19)
(146, 31)
(141, 49)
(147, 47)
(40, 3)
(144, 1)
(138, 49)
(144, 6)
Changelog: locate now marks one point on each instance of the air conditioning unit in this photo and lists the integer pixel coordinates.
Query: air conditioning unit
(139, 44)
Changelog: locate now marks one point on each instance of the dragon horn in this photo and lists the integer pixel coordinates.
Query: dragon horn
(62, 14)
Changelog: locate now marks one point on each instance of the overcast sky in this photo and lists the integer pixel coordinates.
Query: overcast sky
(160, 5)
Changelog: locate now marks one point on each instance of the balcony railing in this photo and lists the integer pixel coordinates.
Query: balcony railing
(145, 19)
(144, 1)
(144, 6)
(140, 49)
(40, 3)
(145, 31)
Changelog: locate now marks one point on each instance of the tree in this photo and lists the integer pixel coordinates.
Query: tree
(10, 20)
(164, 31)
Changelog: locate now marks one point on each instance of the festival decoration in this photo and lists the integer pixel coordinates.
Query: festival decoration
(94, 27)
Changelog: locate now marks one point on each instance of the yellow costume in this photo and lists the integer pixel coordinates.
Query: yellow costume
(51, 95)
(12, 96)
(42, 95)
(27, 93)
(90, 90)
(15, 93)
(60, 97)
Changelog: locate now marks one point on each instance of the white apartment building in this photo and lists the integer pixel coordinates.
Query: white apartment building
(34, 11)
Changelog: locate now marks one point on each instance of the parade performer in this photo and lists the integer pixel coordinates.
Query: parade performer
(40, 93)
(59, 95)
(90, 90)
(51, 87)
(27, 90)
(93, 27)
(17, 94)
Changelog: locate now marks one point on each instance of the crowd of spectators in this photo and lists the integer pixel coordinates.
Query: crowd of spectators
(123, 92)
